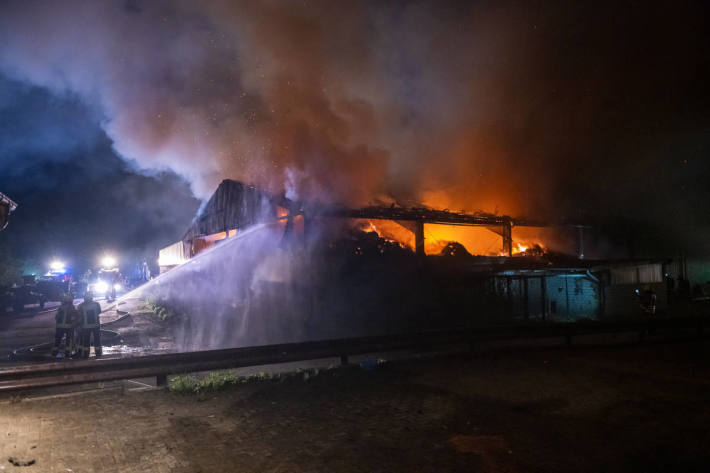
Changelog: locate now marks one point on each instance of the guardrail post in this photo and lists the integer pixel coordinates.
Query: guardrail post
(343, 360)
(161, 380)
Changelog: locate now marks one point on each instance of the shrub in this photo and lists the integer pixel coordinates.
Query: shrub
(218, 380)
(183, 384)
(162, 309)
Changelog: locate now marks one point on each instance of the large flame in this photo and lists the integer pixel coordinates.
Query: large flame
(476, 240)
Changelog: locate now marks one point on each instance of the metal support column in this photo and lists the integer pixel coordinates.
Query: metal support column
(508, 237)
(543, 296)
(419, 238)
(526, 299)
(580, 242)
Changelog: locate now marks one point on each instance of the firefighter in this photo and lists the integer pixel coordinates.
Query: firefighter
(66, 314)
(111, 277)
(145, 271)
(648, 301)
(117, 281)
(89, 311)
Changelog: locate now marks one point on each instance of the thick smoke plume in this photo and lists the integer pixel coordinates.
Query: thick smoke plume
(474, 105)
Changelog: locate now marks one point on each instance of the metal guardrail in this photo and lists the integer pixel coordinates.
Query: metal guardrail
(104, 369)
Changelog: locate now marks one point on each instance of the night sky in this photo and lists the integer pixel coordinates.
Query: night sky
(77, 198)
(115, 115)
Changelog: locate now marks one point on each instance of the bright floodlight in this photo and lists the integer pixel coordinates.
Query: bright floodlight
(108, 262)
(56, 265)
(100, 287)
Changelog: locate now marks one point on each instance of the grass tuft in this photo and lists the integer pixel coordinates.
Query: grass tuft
(183, 384)
(218, 380)
(162, 309)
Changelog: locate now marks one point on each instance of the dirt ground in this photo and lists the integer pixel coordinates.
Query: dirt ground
(625, 408)
(141, 332)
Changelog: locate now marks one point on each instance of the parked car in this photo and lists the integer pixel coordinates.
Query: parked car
(25, 294)
(32, 291)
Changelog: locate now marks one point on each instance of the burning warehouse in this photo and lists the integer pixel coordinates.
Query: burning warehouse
(235, 206)
(395, 199)
(362, 279)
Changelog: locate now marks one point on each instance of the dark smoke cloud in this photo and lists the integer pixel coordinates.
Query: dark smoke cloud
(584, 110)
(222, 91)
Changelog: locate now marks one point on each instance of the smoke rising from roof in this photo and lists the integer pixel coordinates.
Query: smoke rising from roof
(486, 105)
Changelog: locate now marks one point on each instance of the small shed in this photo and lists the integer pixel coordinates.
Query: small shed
(550, 294)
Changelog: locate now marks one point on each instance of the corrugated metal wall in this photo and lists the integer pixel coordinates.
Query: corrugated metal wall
(234, 205)
(572, 296)
(535, 297)
(175, 254)
(638, 274)
(565, 297)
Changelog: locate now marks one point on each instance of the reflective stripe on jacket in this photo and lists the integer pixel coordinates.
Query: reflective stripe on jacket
(89, 312)
(64, 316)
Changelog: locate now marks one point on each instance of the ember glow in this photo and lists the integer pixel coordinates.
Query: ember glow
(479, 241)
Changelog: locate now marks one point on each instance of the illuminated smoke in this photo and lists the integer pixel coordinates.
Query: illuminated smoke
(504, 107)
(330, 100)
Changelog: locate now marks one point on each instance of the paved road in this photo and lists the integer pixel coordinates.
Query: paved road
(32, 327)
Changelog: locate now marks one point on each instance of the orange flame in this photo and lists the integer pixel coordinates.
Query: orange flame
(476, 240)
(519, 248)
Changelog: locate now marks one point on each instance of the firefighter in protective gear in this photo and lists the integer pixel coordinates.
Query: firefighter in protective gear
(90, 326)
(111, 277)
(648, 301)
(66, 314)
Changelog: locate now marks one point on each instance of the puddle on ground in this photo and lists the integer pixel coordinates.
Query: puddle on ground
(132, 350)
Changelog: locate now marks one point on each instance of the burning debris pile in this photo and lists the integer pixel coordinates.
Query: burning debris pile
(365, 243)
(454, 248)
